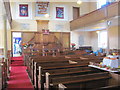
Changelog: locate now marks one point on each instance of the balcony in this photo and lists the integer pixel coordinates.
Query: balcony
(95, 16)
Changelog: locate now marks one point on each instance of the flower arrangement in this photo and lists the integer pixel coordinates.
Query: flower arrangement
(100, 65)
(25, 45)
(72, 44)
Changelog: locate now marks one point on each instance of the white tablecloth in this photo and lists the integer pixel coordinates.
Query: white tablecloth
(111, 63)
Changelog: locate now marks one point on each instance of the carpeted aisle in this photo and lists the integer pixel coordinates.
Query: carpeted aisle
(18, 76)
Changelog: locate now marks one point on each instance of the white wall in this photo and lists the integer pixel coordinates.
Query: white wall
(94, 40)
(23, 23)
(86, 38)
(113, 38)
(75, 38)
(91, 38)
(54, 25)
(29, 23)
(2, 27)
(1, 24)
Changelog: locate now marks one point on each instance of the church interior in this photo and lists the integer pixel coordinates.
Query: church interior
(59, 44)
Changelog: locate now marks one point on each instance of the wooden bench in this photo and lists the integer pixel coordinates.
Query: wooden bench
(3, 69)
(42, 70)
(30, 65)
(38, 59)
(49, 66)
(113, 87)
(57, 61)
(34, 62)
(92, 81)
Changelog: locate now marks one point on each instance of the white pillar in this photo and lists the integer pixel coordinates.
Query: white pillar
(107, 28)
(107, 41)
(5, 37)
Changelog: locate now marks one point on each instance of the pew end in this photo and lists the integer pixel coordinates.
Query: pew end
(61, 86)
(47, 80)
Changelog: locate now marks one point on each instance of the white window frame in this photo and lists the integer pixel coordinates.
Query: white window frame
(102, 39)
(100, 3)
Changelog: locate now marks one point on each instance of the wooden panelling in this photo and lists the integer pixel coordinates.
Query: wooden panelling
(27, 36)
(76, 12)
(66, 40)
(42, 24)
(56, 38)
(113, 10)
(95, 16)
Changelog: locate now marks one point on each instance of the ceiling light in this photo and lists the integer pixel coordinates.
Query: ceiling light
(79, 2)
(46, 15)
(97, 32)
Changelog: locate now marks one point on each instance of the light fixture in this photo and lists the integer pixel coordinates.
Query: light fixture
(79, 2)
(108, 23)
(97, 32)
(46, 15)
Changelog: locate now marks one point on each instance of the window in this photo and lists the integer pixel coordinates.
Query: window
(101, 3)
(102, 39)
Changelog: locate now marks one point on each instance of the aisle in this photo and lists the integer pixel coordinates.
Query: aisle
(18, 76)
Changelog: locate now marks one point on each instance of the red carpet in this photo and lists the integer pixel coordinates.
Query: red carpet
(17, 58)
(18, 76)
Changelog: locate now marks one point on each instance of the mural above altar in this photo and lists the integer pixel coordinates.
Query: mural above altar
(42, 8)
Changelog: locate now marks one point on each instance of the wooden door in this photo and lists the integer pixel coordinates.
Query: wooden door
(76, 12)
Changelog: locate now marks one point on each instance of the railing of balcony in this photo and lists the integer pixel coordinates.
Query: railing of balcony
(95, 16)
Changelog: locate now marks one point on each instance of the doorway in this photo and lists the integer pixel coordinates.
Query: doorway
(16, 44)
(76, 12)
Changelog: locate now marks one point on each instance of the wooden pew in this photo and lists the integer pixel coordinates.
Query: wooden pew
(40, 80)
(43, 59)
(27, 60)
(51, 60)
(54, 66)
(31, 60)
(92, 81)
(113, 87)
(72, 71)
(57, 62)
(3, 69)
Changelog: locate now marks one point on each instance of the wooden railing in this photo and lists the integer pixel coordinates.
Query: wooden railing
(95, 16)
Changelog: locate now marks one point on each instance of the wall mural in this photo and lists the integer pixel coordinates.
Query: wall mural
(23, 10)
(42, 8)
(60, 12)
(17, 45)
